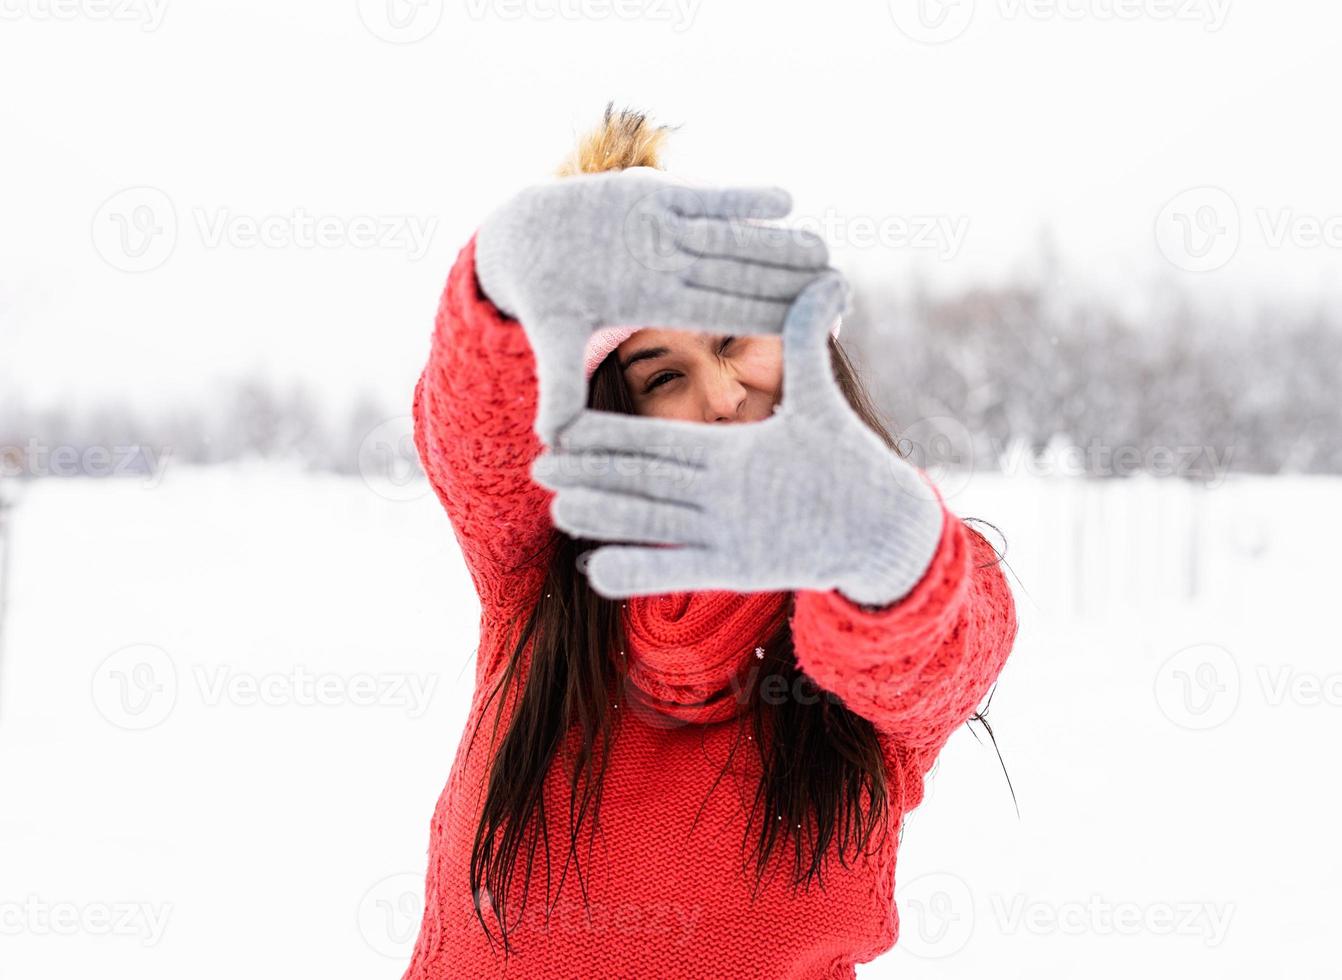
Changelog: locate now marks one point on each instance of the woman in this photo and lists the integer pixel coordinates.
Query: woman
(693, 761)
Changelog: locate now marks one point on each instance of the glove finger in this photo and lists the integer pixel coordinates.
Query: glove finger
(771, 244)
(621, 571)
(808, 377)
(688, 443)
(729, 202)
(708, 309)
(599, 514)
(560, 379)
(749, 279)
(652, 477)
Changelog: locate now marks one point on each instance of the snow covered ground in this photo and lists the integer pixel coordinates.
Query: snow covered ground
(229, 701)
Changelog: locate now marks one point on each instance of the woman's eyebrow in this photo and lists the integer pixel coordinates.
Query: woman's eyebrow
(643, 355)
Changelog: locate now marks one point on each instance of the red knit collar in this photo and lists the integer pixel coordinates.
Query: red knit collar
(688, 653)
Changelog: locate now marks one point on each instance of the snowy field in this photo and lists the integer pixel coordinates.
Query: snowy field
(228, 703)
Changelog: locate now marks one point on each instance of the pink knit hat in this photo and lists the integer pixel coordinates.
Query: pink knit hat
(607, 339)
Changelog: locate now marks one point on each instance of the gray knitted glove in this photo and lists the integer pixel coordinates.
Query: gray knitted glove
(809, 498)
(635, 248)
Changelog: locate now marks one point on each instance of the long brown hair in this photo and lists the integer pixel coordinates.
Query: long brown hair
(821, 765)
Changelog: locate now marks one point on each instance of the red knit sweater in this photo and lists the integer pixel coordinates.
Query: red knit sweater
(666, 899)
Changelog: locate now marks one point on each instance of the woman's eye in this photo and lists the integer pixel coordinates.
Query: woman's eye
(659, 379)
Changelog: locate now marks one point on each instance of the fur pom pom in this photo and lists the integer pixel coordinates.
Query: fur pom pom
(624, 139)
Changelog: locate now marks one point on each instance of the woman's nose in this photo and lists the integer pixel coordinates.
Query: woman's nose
(724, 396)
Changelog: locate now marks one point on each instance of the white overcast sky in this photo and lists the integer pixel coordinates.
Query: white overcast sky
(1085, 117)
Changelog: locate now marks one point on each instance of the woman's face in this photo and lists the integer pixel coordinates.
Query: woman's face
(702, 377)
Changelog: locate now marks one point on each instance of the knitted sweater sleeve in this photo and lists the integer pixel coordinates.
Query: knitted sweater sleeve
(474, 410)
(919, 667)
